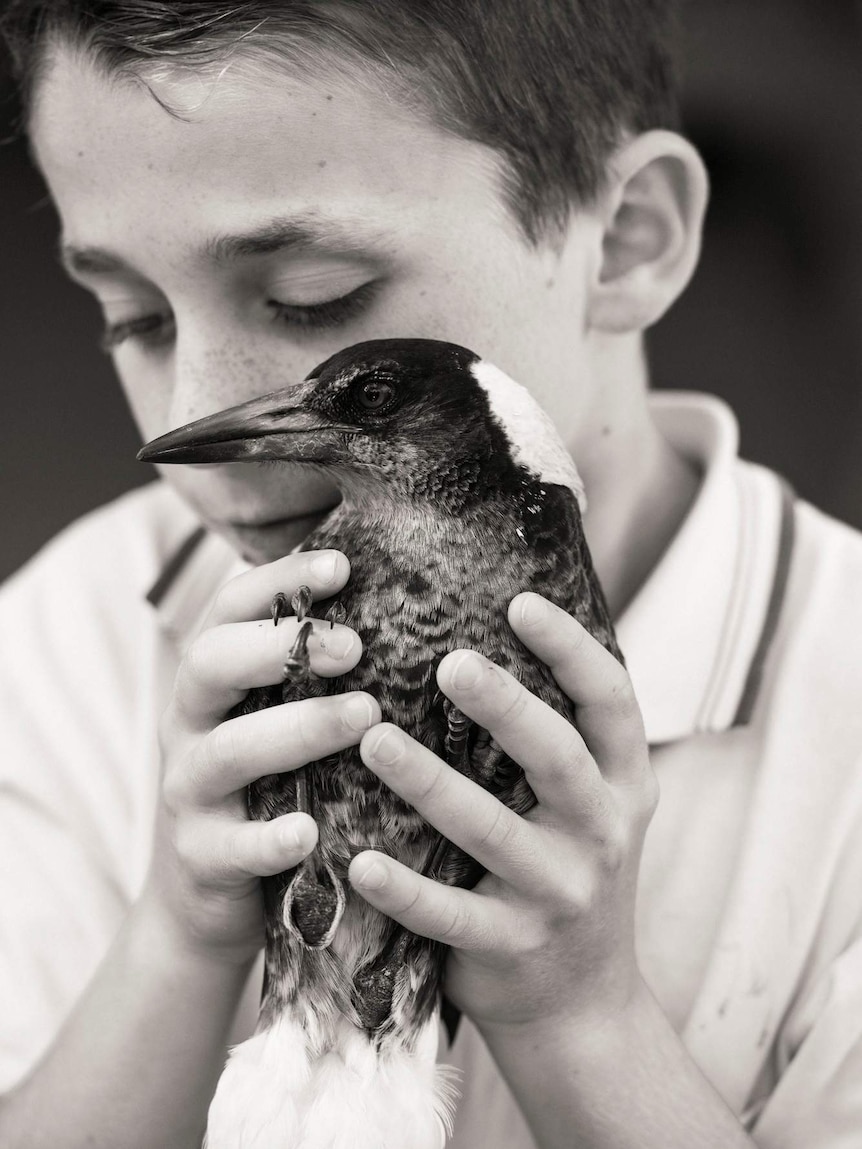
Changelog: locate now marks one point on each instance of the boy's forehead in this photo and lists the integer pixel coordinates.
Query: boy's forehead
(328, 147)
(313, 233)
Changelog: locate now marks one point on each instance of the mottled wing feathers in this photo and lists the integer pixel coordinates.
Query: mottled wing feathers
(418, 589)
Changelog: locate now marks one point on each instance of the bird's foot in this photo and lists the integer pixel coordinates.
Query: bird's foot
(458, 727)
(297, 665)
(485, 760)
(374, 983)
(313, 903)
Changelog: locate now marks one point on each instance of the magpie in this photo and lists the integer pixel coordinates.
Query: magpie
(456, 495)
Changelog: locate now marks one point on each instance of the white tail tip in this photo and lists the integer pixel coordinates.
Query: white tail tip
(272, 1095)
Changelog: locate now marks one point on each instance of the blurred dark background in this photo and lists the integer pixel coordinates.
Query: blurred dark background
(772, 322)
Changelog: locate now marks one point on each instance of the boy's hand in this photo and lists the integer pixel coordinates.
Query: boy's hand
(548, 933)
(208, 855)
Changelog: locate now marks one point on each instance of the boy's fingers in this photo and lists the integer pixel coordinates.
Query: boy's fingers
(249, 595)
(225, 662)
(272, 741)
(456, 917)
(608, 715)
(462, 811)
(546, 745)
(237, 851)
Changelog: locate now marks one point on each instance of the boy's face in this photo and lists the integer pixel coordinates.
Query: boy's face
(275, 221)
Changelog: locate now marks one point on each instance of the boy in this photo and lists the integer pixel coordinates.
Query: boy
(247, 188)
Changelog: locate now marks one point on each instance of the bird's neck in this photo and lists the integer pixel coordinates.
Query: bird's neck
(476, 487)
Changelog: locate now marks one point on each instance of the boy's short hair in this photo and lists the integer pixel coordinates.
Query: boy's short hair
(550, 85)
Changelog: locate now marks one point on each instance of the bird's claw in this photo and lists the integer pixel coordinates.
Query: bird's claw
(299, 604)
(336, 614)
(279, 607)
(301, 601)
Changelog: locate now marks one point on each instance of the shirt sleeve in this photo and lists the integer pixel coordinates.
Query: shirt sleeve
(77, 733)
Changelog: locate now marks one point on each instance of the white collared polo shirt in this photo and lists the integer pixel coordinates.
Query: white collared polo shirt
(744, 650)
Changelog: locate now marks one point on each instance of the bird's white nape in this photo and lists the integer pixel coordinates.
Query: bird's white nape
(535, 442)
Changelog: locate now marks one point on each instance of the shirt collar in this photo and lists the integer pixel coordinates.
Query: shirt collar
(695, 635)
(183, 593)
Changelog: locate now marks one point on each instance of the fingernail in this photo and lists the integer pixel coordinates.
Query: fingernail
(466, 669)
(388, 747)
(533, 609)
(358, 712)
(324, 565)
(337, 643)
(372, 878)
(289, 836)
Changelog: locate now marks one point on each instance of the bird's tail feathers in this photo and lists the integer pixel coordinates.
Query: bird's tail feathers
(274, 1095)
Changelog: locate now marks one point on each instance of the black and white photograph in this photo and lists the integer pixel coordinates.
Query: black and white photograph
(431, 574)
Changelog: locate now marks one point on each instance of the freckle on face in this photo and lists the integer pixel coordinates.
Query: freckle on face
(156, 190)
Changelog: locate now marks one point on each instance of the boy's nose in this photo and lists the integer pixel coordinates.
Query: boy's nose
(215, 368)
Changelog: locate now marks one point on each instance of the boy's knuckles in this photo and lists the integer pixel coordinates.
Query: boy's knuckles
(532, 939)
(448, 921)
(582, 898)
(498, 830)
(505, 702)
(428, 787)
(205, 652)
(172, 727)
(563, 760)
(191, 851)
(225, 605)
(613, 847)
(619, 701)
(223, 752)
(314, 728)
(648, 792)
(405, 899)
(304, 725)
(176, 788)
(243, 853)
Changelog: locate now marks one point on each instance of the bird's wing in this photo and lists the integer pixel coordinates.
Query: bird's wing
(558, 566)
(564, 567)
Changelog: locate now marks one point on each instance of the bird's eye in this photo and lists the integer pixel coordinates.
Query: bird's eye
(374, 394)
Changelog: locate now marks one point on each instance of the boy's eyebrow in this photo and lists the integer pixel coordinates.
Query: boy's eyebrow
(303, 233)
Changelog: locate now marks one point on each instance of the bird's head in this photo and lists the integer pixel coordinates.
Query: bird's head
(406, 417)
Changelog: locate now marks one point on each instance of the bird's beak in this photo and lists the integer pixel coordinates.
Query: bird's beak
(267, 428)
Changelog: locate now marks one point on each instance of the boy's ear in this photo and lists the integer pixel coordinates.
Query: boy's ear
(652, 210)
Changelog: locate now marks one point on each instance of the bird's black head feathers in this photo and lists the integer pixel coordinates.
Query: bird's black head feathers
(423, 420)
(406, 417)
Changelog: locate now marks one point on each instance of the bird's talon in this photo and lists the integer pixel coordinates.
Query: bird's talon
(297, 665)
(301, 602)
(336, 614)
(279, 607)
